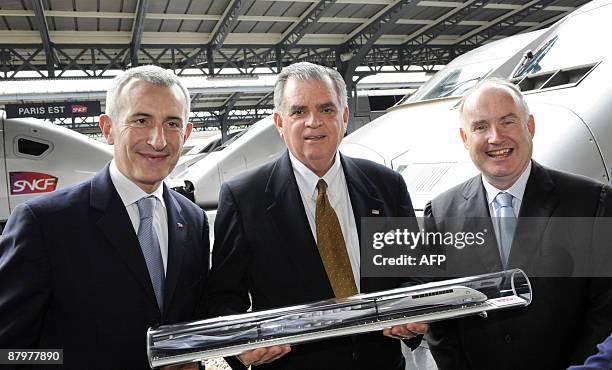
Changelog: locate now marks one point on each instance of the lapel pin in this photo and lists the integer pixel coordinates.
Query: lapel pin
(375, 212)
(179, 225)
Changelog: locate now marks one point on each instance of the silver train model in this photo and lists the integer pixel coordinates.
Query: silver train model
(230, 335)
(564, 71)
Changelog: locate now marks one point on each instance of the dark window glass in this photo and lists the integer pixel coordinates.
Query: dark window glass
(31, 147)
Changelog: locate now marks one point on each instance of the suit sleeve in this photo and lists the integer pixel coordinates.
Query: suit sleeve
(598, 323)
(25, 277)
(227, 288)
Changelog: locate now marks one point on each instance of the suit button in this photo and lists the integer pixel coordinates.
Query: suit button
(508, 338)
(355, 355)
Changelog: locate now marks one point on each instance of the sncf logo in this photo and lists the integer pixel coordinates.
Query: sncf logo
(31, 182)
(77, 108)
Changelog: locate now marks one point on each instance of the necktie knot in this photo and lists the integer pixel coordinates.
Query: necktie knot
(504, 199)
(322, 187)
(146, 206)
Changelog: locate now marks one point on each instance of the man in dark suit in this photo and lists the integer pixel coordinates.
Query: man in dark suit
(568, 316)
(277, 244)
(89, 268)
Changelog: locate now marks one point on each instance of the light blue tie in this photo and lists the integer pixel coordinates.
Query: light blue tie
(507, 225)
(150, 247)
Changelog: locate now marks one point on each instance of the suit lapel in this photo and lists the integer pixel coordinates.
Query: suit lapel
(116, 226)
(365, 200)
(537, 206)
(177, 240)
(477, 217)
(286, 210)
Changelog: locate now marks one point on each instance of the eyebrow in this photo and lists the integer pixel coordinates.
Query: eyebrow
(297, 107)
(326, 105)
(509, 115)
(149, 115)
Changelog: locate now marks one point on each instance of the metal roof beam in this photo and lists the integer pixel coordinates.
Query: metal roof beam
(363, 38)
(227, 23)
(137, 27)
(444, 23)
(305, 23)
(484, 33)
(41, 22)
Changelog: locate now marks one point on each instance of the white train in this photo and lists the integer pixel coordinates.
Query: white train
(40, 157)
(564, 72)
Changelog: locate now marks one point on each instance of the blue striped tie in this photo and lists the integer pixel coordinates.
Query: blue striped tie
(507, 225)
(150, 247)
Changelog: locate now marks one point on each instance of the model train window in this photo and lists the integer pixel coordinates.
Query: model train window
(30, 147)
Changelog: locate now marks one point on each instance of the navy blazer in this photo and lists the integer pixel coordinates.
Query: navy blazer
(264, 247)
(73, 277)
(567, 316)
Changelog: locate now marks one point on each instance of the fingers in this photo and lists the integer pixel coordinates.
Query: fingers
(264, 355)
(406, 331)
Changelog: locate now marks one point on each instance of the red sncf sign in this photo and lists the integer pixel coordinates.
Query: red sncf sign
(31, 182)
(76, 108)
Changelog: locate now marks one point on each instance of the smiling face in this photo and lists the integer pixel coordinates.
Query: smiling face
(496, 134)
(312, 122)
(148, 131)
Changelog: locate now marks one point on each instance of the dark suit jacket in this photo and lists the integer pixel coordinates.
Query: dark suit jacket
(600, 361)
(264, 246)
(567, 316)
(73, 277)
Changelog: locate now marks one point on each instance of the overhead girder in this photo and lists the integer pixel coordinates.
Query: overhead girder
(137, 27)
(189, 60)
(444, 23)
(223, 115)
(227, 23)
(482, 34)
(351, 54)
(41, 23)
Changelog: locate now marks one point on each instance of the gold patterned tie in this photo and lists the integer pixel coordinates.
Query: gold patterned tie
(331, 246)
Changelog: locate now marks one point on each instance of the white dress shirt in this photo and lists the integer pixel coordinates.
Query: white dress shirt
(517, 190)
(130, 193)
(337, 193)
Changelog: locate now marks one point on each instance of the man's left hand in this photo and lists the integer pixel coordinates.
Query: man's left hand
(406, 331)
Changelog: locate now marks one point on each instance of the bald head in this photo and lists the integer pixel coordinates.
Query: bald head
(497, 130)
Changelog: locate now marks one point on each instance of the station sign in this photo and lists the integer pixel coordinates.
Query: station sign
(53, 110)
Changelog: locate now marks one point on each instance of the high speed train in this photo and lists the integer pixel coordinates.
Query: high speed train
(564, 72)
(40, 157)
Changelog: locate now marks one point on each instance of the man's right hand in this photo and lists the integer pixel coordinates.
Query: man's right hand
(263, 355)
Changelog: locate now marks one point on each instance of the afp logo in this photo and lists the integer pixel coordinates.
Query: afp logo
(31, 183)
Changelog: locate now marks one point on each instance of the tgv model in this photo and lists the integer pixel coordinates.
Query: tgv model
(564, 72)
(39, 158)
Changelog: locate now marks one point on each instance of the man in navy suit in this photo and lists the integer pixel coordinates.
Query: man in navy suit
(89, 268)
(274, 231)
(571, 311)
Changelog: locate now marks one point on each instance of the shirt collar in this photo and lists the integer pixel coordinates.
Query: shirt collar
(307, 179)
(517, 189)
(129, 192)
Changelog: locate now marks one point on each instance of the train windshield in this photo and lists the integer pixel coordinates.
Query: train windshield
(580, 40)
(465, 71)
